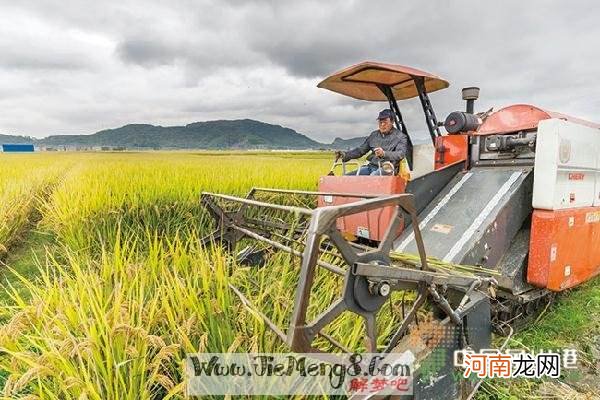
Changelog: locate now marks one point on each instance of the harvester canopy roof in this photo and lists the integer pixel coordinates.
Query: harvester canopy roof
(360, 81)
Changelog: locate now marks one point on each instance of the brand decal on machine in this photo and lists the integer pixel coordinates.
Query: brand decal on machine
(592, 217)
(576, 176)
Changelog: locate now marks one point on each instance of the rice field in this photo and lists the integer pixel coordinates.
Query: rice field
(121, 289)
(124, 290)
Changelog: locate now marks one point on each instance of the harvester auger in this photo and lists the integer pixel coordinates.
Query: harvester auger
(501, 213)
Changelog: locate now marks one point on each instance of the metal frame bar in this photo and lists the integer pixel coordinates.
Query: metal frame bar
(343, 164)
(430, 118)
(251, 202)
(308, 192)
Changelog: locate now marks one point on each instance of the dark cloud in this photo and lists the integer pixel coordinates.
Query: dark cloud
(79, 67)
(147, 52)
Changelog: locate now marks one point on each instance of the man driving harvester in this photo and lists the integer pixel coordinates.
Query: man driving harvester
(388, 146)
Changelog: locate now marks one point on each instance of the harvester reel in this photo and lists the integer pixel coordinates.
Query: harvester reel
(359, 296)
(369, 277)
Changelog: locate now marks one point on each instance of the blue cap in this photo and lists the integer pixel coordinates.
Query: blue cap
(387, 113)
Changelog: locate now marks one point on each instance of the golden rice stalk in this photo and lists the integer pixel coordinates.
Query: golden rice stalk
(164, 354)
(156, 341)
(130, 330)
(36, 372)
(29, 397)
(164, 381)
(72, 382)
(9, 385)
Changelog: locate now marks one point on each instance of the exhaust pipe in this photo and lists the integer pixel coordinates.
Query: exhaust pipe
(470, 94)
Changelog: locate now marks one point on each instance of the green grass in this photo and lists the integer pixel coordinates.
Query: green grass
(24, 260)
(573, 321)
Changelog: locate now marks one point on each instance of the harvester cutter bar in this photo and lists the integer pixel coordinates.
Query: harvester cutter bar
(414, 276)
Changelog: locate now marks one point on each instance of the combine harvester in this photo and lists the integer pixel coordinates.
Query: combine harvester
(506, 215)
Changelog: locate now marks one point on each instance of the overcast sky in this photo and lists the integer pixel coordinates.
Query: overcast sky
(71, 67)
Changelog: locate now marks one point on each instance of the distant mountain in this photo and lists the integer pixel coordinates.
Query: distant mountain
(236, 134)
(13, 139)
(221, 134)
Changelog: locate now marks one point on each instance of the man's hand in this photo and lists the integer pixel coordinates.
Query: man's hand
(339, 155)
(379, 152)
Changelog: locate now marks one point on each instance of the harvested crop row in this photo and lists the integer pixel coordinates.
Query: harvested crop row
(22, 189)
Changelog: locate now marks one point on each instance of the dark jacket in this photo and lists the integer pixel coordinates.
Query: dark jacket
(394, 144)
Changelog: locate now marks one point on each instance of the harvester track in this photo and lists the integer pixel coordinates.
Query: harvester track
(519, 311)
